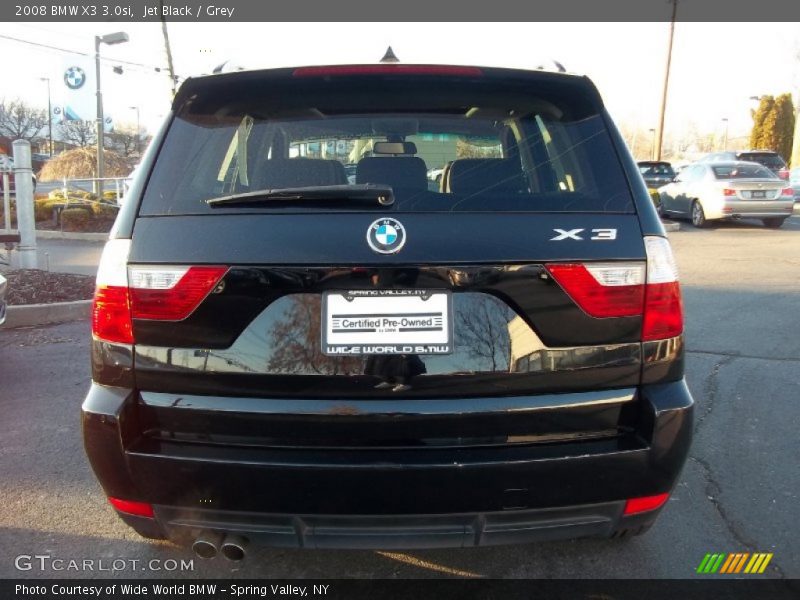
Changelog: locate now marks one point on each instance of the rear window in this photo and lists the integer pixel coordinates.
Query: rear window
(742, 172)
(656, 169)
(458, 146)
(768, 159)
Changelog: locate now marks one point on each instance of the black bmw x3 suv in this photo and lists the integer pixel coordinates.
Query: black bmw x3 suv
(281, 356)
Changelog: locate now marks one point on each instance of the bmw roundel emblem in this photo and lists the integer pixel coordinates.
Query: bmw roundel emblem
(74, 77)
(386, 235)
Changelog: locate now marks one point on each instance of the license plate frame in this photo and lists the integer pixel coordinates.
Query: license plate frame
(389, 322)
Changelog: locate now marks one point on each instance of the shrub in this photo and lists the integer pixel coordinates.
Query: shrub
(72, 194)
(105, 211)
(655, 197)
(76, 219)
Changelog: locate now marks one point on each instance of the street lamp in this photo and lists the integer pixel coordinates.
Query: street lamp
(49, 115)
(110, 39)
(725, 138)
(136, 108)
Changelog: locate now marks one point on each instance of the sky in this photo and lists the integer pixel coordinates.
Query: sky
(711, 79)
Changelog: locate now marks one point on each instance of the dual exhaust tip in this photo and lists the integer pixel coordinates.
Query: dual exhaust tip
(210, 543)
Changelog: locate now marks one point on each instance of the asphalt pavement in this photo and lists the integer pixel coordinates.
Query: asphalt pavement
(738, 492)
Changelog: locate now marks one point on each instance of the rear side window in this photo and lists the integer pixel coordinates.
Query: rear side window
(768, 159)
(742, 172)
(469, 146)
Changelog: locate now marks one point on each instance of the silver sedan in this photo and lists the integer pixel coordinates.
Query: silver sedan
(2, 299)
(727, 190)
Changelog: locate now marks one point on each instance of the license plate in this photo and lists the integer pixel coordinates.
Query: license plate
(363, 322)
(758, 194)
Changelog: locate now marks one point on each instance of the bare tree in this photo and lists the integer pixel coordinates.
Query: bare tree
(482, 328)
(78, 133)
(297, 342)
(125, 140)
(20, 121)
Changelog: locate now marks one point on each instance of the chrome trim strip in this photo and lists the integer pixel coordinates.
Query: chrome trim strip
(438, 406)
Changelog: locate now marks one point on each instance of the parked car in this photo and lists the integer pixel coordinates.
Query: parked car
(794, 181)
(3, 285)
(727, 190)
(281, 357)
(656, 173)
(767, 158)
(7, 163)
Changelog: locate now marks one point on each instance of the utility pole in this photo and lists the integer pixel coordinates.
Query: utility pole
(49, 116)
(660, 130)
(725, 139)
(167, 47)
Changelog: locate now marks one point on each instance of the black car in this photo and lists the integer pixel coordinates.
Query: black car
(656, 173)
(280, 357)
(766, 158)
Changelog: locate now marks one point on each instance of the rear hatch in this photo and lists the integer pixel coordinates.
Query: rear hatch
(258, 271)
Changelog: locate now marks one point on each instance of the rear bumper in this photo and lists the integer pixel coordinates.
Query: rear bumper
(390, 497)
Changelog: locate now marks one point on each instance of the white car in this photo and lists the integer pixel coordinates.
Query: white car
(727, 190)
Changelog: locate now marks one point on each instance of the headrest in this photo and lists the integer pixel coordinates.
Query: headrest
(398, 172)
(475, 175)
(299, 172)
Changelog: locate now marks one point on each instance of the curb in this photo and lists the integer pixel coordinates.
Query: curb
(671, 225)
(46, 234)
(30, 315)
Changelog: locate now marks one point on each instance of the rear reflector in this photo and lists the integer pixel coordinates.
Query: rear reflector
(629, 289)
(390, 69)
(170, 293)
(635, 506)
(603, 290)
(140, 509)
(728, 192)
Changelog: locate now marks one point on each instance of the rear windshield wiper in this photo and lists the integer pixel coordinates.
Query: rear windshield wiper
(366, 193)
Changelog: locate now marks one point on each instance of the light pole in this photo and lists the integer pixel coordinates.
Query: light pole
(49, 116)
(725, 137)
(653, 145)
(658, 143)
(118, 37)
(136, 108)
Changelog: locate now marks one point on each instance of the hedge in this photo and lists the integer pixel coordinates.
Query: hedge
(76, 219)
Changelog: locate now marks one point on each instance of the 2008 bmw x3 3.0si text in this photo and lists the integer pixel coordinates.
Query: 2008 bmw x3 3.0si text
(284, 356)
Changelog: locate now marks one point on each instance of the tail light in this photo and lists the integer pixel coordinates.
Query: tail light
(728, 192)
(788, 192)
(111, 310)
(663, 308)
(783, 173)
(603, 290)
(651, 290)
(387, 69)
(124, 293)
(170, 293)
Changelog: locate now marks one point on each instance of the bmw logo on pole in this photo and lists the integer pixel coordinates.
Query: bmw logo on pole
(386, 236)
(74, 77)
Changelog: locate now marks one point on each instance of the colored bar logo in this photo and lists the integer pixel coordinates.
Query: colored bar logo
(737, 562)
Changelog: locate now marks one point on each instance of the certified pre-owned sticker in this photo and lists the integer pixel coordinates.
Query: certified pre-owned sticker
(386, 235)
